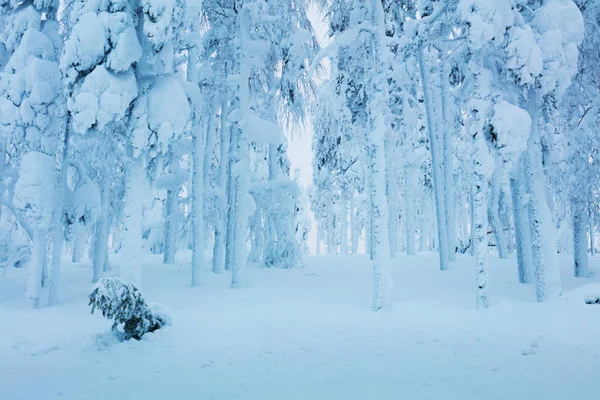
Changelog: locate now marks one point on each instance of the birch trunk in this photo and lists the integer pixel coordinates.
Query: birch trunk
(223, 173)
(170, 217)
(100, 250)
(437, 161)
(494, 217)
(411, 217)
(543, 240)
(580, 248)
(198, 204)
(447, 131)
(522, 233)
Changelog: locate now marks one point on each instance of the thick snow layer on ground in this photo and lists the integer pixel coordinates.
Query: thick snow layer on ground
(310, 334)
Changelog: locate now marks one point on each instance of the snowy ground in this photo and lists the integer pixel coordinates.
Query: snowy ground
(309, 334)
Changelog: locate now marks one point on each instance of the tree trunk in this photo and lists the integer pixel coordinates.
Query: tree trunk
(344, 226)
(331, 242)
(230, 222)
(447, 131)
(580, 253)
(241, 182)
(100, 252)
(36, 264)
(437, 161)
(3, 143)
(79, 242)
(354, 229)
(223, 174)
(543, 240)
(131, 234)
(411, 215)
(480, 243)
(380, 242)
(522, 233)
(393, 209)
(591, 230)
(319, 238)
(494, 217)
(58, 224)
(197, 209)
(170, 212)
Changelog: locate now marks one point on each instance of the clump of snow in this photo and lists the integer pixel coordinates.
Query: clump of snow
(85, 47)
(34, 190)
(16, 24)
(524, 56)
(104, 97)
(85, 204)
(127, 51)
(159, 116)
(563, 16)
(33, 44)
(511, 126)
(487, 20)
(560, 26)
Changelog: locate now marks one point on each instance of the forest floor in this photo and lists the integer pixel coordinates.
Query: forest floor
(310, 334)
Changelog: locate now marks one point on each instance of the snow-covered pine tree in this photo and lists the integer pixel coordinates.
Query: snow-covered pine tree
(97, 63)
(32, 125)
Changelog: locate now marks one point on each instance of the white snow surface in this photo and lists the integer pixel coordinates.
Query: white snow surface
(310, 334)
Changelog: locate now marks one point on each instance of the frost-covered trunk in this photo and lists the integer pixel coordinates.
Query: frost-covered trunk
(171, 215)
(543, 240)
(344, 226)
(522, 233)
(580, 246)
(223, 172)
(79, 243)
(494, 217)
(380, 244)
(58, 223)
(257, 238)
(198, 204)
(411, 214)
(3, 143)
(369, 237)
(480, 244)
(319, 238)
(380, 251)
(437, 161)
(472, 215)
(131, 233)
(36, 264)
(100, 250)
(354, 230)
(231, 216)
(330, 232)
(591, 232)
(240, 197)
(394, 210)
(424, 230)
(447, 131)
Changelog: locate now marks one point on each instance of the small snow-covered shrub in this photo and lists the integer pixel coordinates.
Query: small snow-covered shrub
(14, 250)
(592, 300)
(124, 303)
